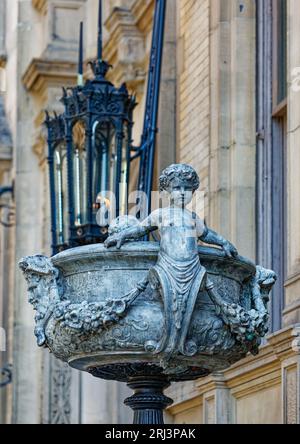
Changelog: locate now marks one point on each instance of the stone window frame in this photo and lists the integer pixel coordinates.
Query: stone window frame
(279, 56)
(271, 157)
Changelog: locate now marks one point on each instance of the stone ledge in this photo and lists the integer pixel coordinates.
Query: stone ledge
(292, 279)
(259, 383)
(182, 407)
(250, 375)
(42, 72)
(286, 343)
(291, 307)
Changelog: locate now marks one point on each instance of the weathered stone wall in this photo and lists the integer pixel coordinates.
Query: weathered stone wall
(264, 389)
(193, 124)
(292, 299)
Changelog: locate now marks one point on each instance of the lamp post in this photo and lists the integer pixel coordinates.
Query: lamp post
(90, 147)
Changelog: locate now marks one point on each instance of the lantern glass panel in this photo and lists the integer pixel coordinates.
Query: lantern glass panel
(105, 160)
(61, 192)
(80, 172)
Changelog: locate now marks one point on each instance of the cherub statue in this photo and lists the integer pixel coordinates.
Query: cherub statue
(178, 274)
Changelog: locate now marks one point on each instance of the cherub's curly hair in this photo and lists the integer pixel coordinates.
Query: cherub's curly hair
(181, 171)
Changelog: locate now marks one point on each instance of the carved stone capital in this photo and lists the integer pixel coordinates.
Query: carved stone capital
(296, 341)
(286, 343)
(125, 48)
(42, 73)
(45, 77)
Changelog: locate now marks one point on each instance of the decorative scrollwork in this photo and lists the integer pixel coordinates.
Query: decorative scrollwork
(7, 215)
(7, 209)
(6, 376)
(56, 126)
(60, 396)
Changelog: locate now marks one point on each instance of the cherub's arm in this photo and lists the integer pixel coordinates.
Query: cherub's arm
(209, 236)
(147, 226)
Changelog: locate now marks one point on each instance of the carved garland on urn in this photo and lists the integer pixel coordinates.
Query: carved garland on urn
(45, 289)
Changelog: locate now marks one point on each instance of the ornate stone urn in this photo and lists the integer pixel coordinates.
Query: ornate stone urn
(147, 314)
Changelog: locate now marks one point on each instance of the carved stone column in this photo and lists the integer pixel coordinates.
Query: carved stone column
(291, 382)
(125, 48)
(44, 59)
(6, 234)
(216, 400)
(232, 140)
(288, 351)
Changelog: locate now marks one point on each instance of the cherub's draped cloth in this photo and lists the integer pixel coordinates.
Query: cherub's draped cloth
(179, 275)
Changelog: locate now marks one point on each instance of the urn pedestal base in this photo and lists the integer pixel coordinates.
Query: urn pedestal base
(148, 401)
(148, 381)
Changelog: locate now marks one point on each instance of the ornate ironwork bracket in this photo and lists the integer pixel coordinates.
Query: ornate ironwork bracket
(5, 376)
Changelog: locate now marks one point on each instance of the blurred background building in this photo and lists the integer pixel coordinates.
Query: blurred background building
(230, 106)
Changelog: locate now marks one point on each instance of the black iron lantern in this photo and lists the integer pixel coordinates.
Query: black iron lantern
(90, 147)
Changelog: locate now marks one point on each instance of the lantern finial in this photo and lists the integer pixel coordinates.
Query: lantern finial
(100, 33)
(80, 61)
(100, 66)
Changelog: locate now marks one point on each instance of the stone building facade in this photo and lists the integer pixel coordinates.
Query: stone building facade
(229, 107)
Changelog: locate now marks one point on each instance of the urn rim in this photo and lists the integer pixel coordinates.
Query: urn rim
(142, 248)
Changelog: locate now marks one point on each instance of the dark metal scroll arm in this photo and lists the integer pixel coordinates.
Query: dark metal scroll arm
(147, 147)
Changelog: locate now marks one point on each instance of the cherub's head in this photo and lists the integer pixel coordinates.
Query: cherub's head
(180, 181)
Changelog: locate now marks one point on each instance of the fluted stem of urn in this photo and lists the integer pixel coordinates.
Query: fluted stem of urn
(148, 401)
